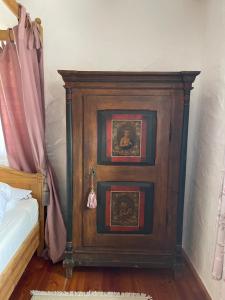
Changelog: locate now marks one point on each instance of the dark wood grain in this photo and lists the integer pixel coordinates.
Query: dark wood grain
(42, 275)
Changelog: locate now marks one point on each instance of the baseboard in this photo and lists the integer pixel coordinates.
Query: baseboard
(195, 274)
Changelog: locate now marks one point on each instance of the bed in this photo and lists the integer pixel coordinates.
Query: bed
(30, 229)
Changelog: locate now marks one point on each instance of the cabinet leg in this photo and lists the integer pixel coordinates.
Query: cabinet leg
(178, 271)
(68, 261)
(179, 264)
(68, 272)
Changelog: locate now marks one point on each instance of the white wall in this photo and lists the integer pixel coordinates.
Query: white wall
(109, 35)
(142, 35)
(206, 150)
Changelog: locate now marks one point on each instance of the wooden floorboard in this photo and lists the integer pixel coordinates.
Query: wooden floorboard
(160, 284)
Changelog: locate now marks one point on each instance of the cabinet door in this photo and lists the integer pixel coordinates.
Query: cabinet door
(126, 141)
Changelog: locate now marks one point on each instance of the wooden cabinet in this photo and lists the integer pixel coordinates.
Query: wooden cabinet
(131, 128)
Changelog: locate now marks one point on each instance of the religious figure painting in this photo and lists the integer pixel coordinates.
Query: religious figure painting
(126, 137)
(125, 207)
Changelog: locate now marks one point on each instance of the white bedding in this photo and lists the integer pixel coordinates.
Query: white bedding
(15, 227)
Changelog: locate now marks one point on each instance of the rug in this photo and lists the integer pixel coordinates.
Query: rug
(37, 295)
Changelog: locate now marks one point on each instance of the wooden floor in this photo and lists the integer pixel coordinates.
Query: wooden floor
(42, 275)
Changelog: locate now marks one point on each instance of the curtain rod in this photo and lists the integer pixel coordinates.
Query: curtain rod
(13, 5)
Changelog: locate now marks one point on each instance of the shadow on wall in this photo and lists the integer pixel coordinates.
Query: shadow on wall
(56, 134)
(205, 173)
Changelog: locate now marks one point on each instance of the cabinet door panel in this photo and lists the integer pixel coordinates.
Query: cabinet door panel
(131, 171)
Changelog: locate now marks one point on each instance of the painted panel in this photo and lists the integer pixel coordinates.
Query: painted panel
(126, 137)
(125, 207)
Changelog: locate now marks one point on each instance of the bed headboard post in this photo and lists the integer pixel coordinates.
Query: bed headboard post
(40, 184)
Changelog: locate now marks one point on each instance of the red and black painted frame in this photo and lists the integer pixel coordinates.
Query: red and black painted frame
(147, 138)
(144, 210)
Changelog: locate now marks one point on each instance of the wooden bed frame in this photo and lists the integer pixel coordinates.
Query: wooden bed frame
(35, 240)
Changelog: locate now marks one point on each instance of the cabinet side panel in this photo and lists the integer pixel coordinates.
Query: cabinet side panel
(68, 260)
(78, 202)
(174, 163)
(182, 173)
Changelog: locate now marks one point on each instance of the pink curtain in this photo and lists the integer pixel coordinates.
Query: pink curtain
(219, 260)
(23, 119)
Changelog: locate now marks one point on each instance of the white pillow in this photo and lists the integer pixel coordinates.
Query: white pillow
(20, 194)
(5, 189)
(14, 193)
(3, 203)
(12, 203)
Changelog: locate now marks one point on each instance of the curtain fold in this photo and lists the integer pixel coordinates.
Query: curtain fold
(22, 113)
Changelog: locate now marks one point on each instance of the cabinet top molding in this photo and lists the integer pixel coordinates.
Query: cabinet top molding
(121, 76)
